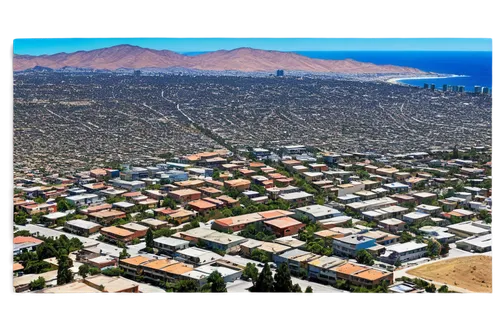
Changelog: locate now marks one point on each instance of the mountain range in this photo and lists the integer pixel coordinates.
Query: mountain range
(241, 59)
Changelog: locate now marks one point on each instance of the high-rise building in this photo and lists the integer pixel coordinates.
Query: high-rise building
(433, 87)
(426, 86)
(485, 90)
(445, 87)
(454, 88)
(461, 88)
(477, 89)
(280, 72)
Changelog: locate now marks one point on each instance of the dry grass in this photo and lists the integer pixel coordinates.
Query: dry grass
(473, 273)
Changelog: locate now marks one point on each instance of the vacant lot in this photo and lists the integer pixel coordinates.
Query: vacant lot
(472, 273)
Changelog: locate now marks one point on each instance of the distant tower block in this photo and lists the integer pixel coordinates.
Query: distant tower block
(461, 88)
(433, 87)
(426, 86)
(445, 87)
(485, 90)
(477, 89)
(280, 72)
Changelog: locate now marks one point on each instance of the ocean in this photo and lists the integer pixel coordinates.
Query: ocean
(475, 65)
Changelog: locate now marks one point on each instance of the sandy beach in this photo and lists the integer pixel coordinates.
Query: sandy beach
(395, 80)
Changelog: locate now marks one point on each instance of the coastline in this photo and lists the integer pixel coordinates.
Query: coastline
(395, 80)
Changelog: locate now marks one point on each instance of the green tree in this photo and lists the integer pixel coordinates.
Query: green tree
(296, 288)
(94, 270)
(445, 249)
(405, 237)
(149, 239)
(20, 218)
(46, 250)
(430, 289)
(250, 272)
(282, 279)
(260, 255)
(264, 281)
(124, 254)
(169, 202)
(216, 282)
(24, 233)
(113, 271)
(309, 289)
(37, 284)
(443, 289)
(63, 204)
(364, 257)
(433, 248)
(64, 274)
(84, 270)
(186, 286)
(39, 200)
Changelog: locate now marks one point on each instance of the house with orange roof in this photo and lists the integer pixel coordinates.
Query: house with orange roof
(214, 183)
(238, 184)
(149, 203)
(256, 165)
(33, 208)
(361, 275)
(182, 215)
(106, 217)
(268, 183)
(152, 270)
(267, 169)
(210, 191)
(117, 234)
(289, 164)
(185, 195)
(202, 207)
(217, 202)
(237, 223)
(284, 226)
(25, 244)
(17, 269)
(96, 208)
(131, 195)
(139, 230)
(98, 174)
(192, 183)
(283, 182)
(231, 202)
(132, 266)
(247, 172)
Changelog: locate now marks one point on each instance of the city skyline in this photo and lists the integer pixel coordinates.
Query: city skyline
(185, 45)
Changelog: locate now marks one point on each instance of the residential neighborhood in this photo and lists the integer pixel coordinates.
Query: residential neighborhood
(225, 220)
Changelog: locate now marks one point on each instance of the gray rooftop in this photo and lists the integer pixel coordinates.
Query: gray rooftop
(318, 210)
(83, 224)
(169, 241)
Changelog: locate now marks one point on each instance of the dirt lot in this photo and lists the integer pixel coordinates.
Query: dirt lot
(472, 273)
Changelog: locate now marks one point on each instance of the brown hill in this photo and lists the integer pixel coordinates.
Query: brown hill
(242, 59)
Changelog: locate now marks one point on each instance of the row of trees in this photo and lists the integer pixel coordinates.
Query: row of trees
(257, 231)
(215, 284)
(265, 282)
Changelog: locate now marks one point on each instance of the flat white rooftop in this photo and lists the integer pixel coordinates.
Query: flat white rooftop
(405, 247)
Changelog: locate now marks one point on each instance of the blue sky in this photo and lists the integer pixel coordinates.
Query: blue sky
(51, 46)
